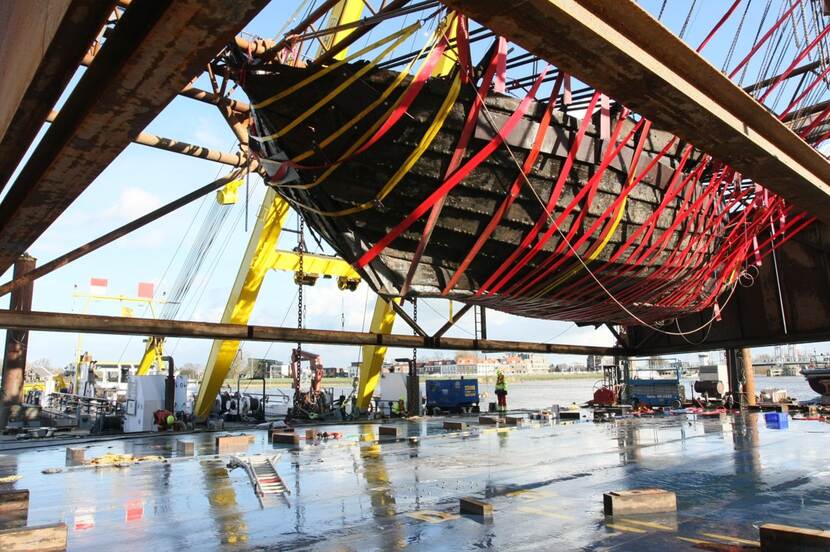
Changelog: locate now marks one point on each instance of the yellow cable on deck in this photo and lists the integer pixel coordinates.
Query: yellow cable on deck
(324, 101)
(305, 82)
(426, 140)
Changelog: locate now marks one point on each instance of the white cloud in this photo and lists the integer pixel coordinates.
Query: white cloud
(132, 203)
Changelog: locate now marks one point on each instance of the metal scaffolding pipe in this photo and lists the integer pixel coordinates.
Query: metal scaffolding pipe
(168, 144)
(115, 325)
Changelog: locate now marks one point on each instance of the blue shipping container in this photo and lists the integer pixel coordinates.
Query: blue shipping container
(452, 394)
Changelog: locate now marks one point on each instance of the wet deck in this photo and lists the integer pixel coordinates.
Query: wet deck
(545, 484)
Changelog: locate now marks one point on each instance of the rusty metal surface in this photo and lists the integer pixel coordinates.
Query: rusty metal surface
(155, 51)
(754, 316)
(41, 68)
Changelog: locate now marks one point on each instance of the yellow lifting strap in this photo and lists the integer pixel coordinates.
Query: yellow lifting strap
(325, 101)
(426, 140)
(405, 32)
(371, 130)
(259, 258)
(383, 318)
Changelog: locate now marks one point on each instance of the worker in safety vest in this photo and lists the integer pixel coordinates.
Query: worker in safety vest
(501, 391)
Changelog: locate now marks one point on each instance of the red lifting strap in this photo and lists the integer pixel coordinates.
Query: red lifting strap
(513, 193)
(457, 177)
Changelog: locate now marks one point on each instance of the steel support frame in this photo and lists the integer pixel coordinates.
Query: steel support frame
(620, 49)
(383, 319)
(260, 256)
(156, 49)
(119, 325)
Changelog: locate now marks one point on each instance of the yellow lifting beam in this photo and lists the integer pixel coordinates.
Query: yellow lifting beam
(259, 258)
(383, 318)
(315, 265)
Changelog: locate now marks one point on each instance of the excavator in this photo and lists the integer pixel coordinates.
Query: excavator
(314, 403)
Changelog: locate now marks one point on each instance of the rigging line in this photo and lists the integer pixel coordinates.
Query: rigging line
(754, 40)
(688, 18)
(734, 44)
(173, 257)
(282, 323)
(576, 254)
(294, 15)
(441, 317)
(194, 303)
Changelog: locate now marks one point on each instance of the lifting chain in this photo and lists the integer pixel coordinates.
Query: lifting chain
(300, 277)
(415, 318)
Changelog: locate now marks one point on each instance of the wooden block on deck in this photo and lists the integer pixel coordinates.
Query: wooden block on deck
(185, 448)
(233, 442)
(470, 505)
(285, 438)
(74, 456)
(514, 420)
(639, 501)
(488, 420)
(388, 432)
(780, 538)
(44, 538)
(458, 426)
(14, 508)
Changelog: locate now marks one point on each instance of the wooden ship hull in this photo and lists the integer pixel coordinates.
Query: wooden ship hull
(470, 206)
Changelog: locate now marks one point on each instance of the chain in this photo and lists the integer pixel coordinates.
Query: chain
(415, 318)
(300, 277)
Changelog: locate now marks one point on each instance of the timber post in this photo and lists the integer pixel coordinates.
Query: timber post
(14, 354)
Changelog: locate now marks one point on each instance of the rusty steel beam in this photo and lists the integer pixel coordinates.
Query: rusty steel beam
(116, 325)
(37, 71)
(157, 48)
(183, 148)
(617, 47)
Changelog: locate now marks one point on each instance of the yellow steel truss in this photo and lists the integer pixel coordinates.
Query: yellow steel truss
(260, 256)
(347, 11)
(383, 318)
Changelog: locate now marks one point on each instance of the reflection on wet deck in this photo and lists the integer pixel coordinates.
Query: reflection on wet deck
(544, 482)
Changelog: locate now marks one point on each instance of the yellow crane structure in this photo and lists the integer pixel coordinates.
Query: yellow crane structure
(262, 255)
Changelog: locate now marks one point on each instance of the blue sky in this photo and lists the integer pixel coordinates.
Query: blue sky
(143, 178)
